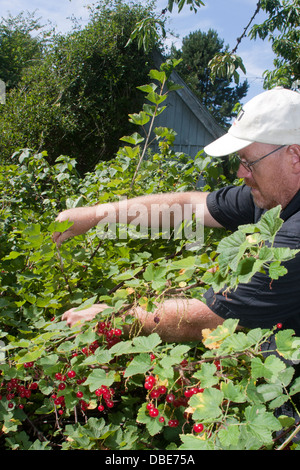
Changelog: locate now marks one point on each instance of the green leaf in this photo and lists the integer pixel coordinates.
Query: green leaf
(276, 270)
(288, 345)
(270, 369)
(139, 365)
(295, 387)
(88, 303)
(270, 223)
(157, 75)
(98, 377)
(261, 424)
(207, 404)
(133, 139)
(139, 119)
(234, 392)
(231, 250)
(153, 425)
(207, 375)
(224, 330)
(192, 442)
(146, 343)
(230, 434)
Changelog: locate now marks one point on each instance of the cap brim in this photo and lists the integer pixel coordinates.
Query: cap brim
(226, 145)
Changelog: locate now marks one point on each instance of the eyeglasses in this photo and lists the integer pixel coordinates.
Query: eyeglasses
(248, 166)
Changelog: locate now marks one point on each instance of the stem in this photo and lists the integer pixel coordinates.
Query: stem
(289, 439)
(147, 140)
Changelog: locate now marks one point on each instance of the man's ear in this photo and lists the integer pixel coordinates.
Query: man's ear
(294, 152)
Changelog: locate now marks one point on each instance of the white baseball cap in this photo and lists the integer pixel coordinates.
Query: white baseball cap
(272, 117)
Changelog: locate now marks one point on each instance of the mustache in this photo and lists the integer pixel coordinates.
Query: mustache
(250, 183)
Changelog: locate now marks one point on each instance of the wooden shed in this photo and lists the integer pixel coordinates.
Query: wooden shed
(194, 125)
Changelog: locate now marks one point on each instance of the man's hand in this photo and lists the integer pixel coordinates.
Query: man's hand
(74, 315)
(83, 219)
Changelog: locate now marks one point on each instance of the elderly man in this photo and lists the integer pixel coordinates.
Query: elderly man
(266, 135)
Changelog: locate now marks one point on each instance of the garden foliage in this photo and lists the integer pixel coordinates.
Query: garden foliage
(89, 386)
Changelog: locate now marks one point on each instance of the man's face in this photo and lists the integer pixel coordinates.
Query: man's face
(269, 179)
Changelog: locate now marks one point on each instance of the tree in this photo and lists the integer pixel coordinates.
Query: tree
(282, 29)
(19, 49)
(77, 100)
(220, 96)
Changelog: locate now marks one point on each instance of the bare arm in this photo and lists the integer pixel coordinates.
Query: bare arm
(152, 211)
(175, 320)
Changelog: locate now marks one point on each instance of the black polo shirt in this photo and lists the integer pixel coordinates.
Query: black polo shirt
(259, 303)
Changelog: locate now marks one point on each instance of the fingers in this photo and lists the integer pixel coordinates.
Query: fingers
(74, 316)
(60, 237)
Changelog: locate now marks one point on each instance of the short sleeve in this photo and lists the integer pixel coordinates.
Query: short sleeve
(232, 206)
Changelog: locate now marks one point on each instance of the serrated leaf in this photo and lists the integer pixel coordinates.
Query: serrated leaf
(229, 436)
(98, 377)
(207, 375)
(234, 392)
(192, 442)
(288, 345)
(207, 404)
(153, 425)
(261, 424)
(139, 365)
(276, 270)
(269, 369)
(146, 343)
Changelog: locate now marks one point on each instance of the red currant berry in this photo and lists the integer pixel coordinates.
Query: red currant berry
(161, 419)
(170, 398)
(148, 385)
(61, 386)
(101, 408)
(173, 423)
(198, 427)
(154, 394)
(79, 394)
(153, 412)
(279, 326)
(71, 374)
(149, 406)
(33, 386)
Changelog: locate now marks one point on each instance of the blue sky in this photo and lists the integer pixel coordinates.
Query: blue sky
(227, 17)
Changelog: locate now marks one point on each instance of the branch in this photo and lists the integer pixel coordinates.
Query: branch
(258, 6)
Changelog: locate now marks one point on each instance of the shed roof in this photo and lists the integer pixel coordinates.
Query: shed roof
(194, 125)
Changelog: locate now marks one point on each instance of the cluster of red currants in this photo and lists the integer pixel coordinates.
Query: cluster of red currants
(107, 394)
(59, 401)
(157, 392)
(16, 393)
(111, 335)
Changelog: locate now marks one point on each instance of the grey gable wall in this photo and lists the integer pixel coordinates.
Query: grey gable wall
(194, 125)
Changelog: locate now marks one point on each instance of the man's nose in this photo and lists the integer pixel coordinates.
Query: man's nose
(243, 172)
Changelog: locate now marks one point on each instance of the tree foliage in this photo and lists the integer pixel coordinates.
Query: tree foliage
(19, 48)
(218, 96)
(282, 29)
(77, 99)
